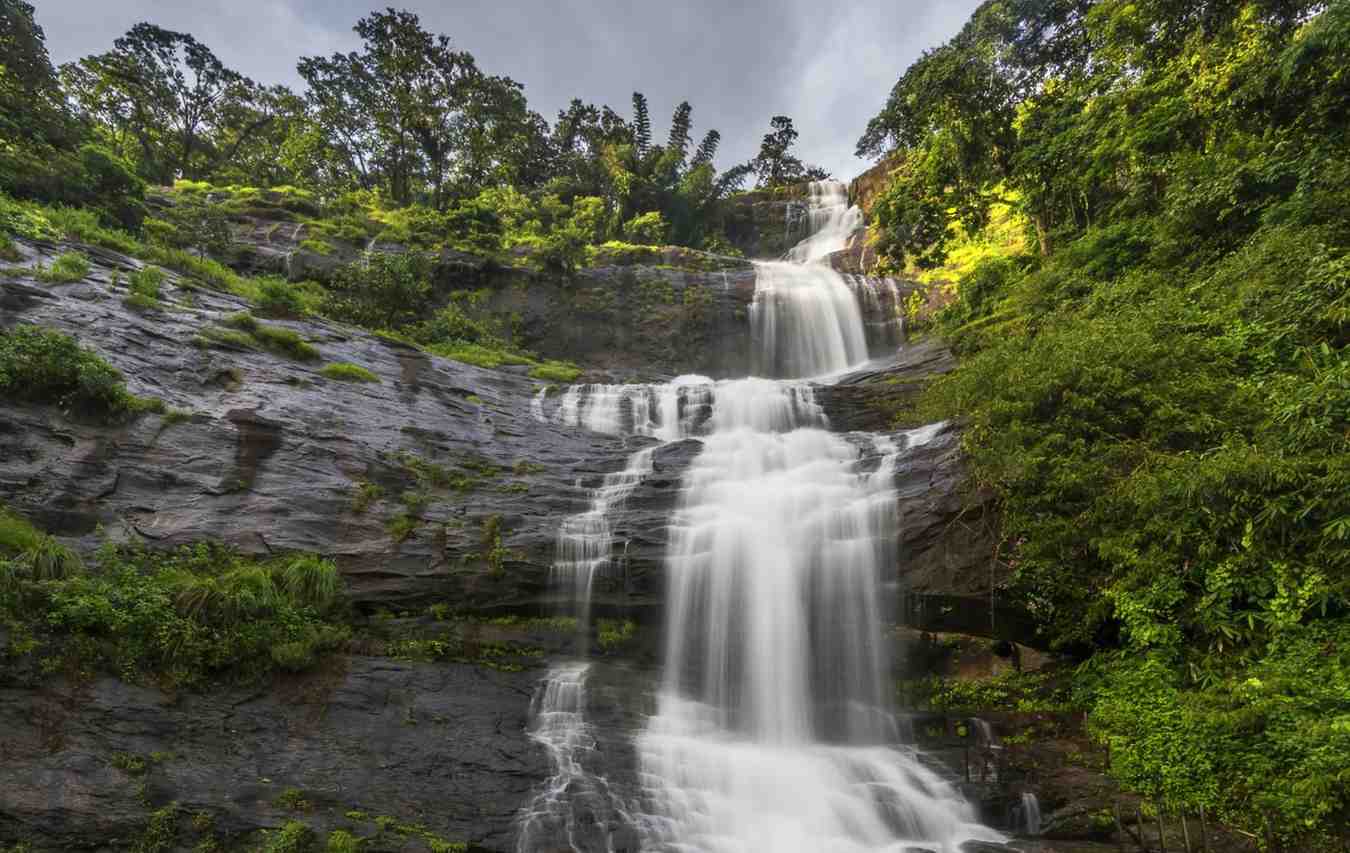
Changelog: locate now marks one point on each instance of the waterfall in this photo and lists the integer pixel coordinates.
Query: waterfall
(1027, 816)
(772, 727)
(805, 319)
(561, 815)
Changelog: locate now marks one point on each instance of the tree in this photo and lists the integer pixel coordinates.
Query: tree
(642, 125)
(774, 165)
(162, 98)
(413, 114)
(32, 107)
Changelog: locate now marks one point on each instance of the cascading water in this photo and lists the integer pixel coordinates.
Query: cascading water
(805, 319)
(772, 728)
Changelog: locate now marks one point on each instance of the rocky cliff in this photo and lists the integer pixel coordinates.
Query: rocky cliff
(402, 481)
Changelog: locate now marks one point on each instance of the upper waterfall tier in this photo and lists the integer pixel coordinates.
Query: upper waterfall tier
(805, 319)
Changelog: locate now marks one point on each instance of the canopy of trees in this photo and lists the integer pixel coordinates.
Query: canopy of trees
(408, 119)
(1157, 389)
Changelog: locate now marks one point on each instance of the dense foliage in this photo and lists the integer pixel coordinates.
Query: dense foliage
(1158, 392)
(406, 128)
(176, 618)
(43, 366)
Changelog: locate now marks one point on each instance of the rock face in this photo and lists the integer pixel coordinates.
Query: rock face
(444, 746)
(402, 482)
(271, 454)
(766, 223)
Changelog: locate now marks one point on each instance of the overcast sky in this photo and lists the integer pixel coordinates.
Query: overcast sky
(738, 62)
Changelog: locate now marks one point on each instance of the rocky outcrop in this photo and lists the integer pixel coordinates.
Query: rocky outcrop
(267, 454)
(403, 482)
(766, 223)
(864, 189)
(85, 765)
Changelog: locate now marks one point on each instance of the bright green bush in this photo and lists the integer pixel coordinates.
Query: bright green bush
(185, 616)
(342, 841)
(279, 298)
(68, 267)
(383, 292)
(346, 372)
(44, 366)
(293, 837)
(145, 285)
(648, 229)
(556, 371)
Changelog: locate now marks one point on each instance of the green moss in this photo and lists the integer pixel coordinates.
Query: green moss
(402, 526)
(556, 371)
(479, 355)
(8, 251)
(277, 339)
(160, 832)
(226, 337)
(318, 247)
(347, 372)
(615, 633)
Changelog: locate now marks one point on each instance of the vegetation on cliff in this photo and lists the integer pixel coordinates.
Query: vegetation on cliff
(406, 136)
(1158, 390)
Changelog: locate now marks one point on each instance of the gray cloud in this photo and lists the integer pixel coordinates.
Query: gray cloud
(738, 63)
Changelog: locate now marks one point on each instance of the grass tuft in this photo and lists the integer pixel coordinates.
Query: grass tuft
(348, 372)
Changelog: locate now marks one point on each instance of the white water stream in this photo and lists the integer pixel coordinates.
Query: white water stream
(772, 729)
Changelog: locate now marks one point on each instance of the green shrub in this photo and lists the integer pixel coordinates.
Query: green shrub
(615, 633)
(67, 268)
(145, 285)
(279, 298)
(228, 337)
(24, 219)
(147, 282)
(8, 251)
(318, 247)
(556, 371)
(45, 366)
(184, 616)
(363, 495)
(382, 292)
(277, 339)
(28, 554)
(346, 372)
(478, 354)
(285, 342)
(647, 229)
(342, 841)
(293, 837)
(139, 302)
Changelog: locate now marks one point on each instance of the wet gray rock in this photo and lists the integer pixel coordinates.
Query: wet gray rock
(441, 745)
(270, 453)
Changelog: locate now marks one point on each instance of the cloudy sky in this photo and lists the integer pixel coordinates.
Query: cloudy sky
(738, 62)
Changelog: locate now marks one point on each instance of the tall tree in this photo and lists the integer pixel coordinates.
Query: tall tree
(32, 107)
(412, 113)
(642, 125)
(775, 164)
(164, 96)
